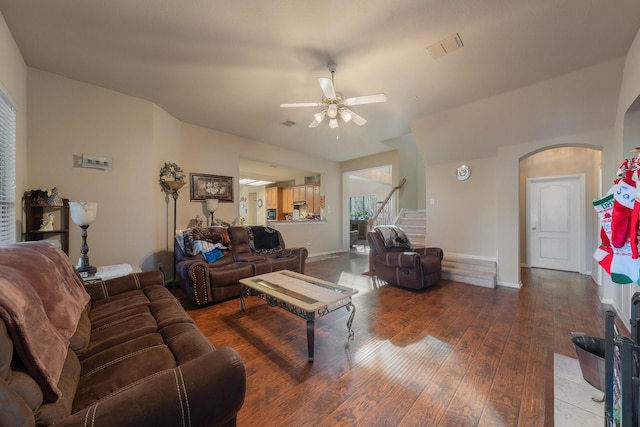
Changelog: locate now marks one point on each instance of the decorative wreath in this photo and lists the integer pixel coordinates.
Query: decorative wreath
(170, 172)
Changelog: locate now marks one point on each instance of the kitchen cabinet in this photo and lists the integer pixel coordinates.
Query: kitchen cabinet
(287, 201)
(316, 197)
(312, 197)
(299, 193)
(36, 212)
(271, 194)
(311, 207)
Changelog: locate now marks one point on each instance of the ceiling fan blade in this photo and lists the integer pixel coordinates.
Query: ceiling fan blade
(367, 99)
(302, 104)
(327, 88)
(314, 124)
(359, 120)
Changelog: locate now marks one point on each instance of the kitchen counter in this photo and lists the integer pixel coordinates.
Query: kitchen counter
(300, 221)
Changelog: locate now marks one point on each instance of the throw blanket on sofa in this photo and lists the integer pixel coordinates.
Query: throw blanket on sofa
(393, 237)
(41, 307)
(197, 240)
(263, 240)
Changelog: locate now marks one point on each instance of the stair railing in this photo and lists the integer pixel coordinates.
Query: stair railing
(383, 214)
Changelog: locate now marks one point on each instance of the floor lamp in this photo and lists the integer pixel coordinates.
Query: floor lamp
(174, 187)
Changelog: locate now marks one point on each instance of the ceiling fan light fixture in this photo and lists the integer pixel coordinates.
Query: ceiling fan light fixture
(333, 123)
(319, 116)
(332, 111)
(346, 115)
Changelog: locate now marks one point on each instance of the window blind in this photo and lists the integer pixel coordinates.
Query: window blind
(7, 171)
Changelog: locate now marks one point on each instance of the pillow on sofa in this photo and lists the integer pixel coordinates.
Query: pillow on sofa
(393, 237)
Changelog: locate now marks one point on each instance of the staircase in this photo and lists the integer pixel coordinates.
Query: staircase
(473, 271)
(414, 224)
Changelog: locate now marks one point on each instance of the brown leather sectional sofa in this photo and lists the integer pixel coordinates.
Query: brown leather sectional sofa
(122, 352)
(249, 251)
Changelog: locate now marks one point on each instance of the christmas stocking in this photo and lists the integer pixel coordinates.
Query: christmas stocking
(624, 196)
(624, 268)
(604, 253)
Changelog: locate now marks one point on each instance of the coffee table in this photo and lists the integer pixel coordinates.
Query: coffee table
(304, 296)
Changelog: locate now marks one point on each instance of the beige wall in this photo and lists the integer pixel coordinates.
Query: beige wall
(620, 296)
(481, 216)
(135, 218)
(13, 83)
(67, 119)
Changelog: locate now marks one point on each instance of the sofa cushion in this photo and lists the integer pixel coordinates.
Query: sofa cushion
(121, 366)
(80, 339)
(50, 413)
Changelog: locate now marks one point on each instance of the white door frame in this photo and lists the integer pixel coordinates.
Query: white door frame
(581, 214)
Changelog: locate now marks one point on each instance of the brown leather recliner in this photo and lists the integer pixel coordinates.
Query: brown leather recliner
(397, 263)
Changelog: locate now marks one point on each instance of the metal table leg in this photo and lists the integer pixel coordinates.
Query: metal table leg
(352, 309)
(311, 328)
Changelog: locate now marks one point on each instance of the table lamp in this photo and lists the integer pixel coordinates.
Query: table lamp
(83, 214)
(212, 206)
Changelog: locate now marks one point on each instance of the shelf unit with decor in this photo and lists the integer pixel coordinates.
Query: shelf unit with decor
(34, 212)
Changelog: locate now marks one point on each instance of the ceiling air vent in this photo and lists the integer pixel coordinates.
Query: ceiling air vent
(445, 46)
(288, 123)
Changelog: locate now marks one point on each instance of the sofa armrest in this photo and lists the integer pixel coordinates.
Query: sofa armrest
(302, 254)
(206, 391)
(437, 252)
(398, 259)
(193, 276)
(107, 288)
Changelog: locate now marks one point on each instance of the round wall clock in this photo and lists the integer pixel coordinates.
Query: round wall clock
(259, 203)
(463, 172)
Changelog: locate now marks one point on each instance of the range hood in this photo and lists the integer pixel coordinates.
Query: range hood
(299, 203)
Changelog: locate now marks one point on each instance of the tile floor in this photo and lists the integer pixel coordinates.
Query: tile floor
(572, 396)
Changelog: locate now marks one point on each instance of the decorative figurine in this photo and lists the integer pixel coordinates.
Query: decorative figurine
(47, 222)
(54, 198)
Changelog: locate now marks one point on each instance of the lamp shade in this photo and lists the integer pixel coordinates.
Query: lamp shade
(83, 213)
(174, 185)
(212, 205)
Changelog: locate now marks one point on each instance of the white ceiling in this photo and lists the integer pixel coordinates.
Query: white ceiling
(227, 65)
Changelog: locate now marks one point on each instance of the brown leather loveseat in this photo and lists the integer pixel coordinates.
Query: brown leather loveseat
(396, 262)
(211, 261)
(122, 352)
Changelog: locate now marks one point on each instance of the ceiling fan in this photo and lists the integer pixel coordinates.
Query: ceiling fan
(335, 105)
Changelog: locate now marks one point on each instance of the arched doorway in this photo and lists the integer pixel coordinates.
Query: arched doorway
(556, 162)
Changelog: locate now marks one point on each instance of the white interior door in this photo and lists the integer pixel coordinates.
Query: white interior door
(252, 201)
(555, 222)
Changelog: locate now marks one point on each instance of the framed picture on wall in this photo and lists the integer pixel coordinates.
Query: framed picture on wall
(205, 187)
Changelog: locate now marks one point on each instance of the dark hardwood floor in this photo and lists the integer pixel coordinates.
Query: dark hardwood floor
(453, 355)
